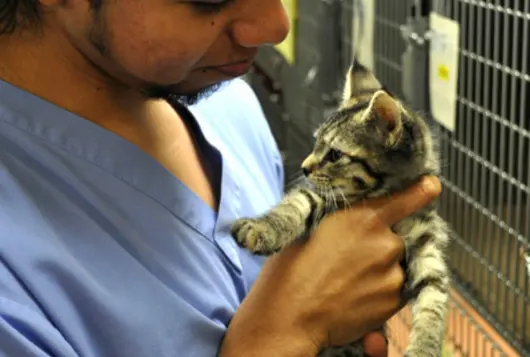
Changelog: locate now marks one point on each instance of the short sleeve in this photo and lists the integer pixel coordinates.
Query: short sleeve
(264, 130)
(243, 116)
(26, 333)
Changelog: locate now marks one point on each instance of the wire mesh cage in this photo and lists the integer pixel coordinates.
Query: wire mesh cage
(487, 175)
(486, 171)
(388, 42)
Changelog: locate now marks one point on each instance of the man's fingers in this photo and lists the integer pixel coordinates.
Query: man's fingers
(412, 199)
(375, 345)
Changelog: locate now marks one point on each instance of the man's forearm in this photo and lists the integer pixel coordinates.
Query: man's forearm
(253, 341)
(269, 323)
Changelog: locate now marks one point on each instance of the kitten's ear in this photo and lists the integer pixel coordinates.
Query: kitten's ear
(387, 112)
(359, 80)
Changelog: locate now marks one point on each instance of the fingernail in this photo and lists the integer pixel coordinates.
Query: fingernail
(431, 186)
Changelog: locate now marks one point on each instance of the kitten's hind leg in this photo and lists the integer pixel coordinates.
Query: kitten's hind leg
(293, 217)
(428, 273)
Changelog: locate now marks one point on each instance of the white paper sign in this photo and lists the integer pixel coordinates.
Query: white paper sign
(443, 69)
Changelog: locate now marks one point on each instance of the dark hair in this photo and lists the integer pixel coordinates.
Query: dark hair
(15, 13)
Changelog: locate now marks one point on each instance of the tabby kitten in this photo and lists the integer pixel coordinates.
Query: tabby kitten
(371, 146)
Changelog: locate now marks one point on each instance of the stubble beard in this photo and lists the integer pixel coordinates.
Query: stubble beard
(99, 39)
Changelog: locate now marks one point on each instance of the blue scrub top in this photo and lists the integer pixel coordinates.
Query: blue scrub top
(103, 252)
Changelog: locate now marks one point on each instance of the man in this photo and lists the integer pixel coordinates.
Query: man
(116, 201)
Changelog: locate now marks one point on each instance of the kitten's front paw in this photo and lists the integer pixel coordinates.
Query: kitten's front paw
(256, 235)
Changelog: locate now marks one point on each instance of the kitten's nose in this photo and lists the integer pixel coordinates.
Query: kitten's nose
(307, 169)
(308, 165)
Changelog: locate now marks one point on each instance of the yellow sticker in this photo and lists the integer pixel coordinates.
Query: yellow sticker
(443, 72)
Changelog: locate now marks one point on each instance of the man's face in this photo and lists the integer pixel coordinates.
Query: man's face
(163, 47)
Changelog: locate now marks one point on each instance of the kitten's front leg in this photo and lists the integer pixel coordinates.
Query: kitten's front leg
(293, 217)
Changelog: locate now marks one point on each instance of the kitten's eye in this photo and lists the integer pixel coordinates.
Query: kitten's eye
(334, 155)
(360, 183)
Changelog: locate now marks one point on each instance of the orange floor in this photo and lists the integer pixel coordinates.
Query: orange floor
(468, 334)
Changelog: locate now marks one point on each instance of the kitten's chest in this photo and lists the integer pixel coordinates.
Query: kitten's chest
(415, 227)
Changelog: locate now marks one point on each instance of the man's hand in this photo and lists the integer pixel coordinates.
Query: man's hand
(375, 345)
(337, 287)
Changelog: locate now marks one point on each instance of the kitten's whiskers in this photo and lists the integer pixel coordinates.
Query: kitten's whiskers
(346, 202)
(332, 192)
(296, 181)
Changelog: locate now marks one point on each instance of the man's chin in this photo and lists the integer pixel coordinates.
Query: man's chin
(170, 93)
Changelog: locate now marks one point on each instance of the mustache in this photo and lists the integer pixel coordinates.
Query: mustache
(169, 93)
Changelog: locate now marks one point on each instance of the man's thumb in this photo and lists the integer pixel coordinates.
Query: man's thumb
(412, 199)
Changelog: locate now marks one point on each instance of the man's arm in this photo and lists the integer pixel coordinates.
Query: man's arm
(255, 332)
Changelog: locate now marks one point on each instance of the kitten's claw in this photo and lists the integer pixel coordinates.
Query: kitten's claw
(255, 235)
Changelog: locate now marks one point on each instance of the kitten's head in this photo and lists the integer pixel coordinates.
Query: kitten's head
(371, 145)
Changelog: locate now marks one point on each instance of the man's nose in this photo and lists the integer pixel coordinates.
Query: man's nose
(263, 22)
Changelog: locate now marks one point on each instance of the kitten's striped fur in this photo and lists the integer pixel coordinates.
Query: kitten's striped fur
(370, 147)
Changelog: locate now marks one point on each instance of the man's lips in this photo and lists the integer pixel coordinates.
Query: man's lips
(234, 69)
